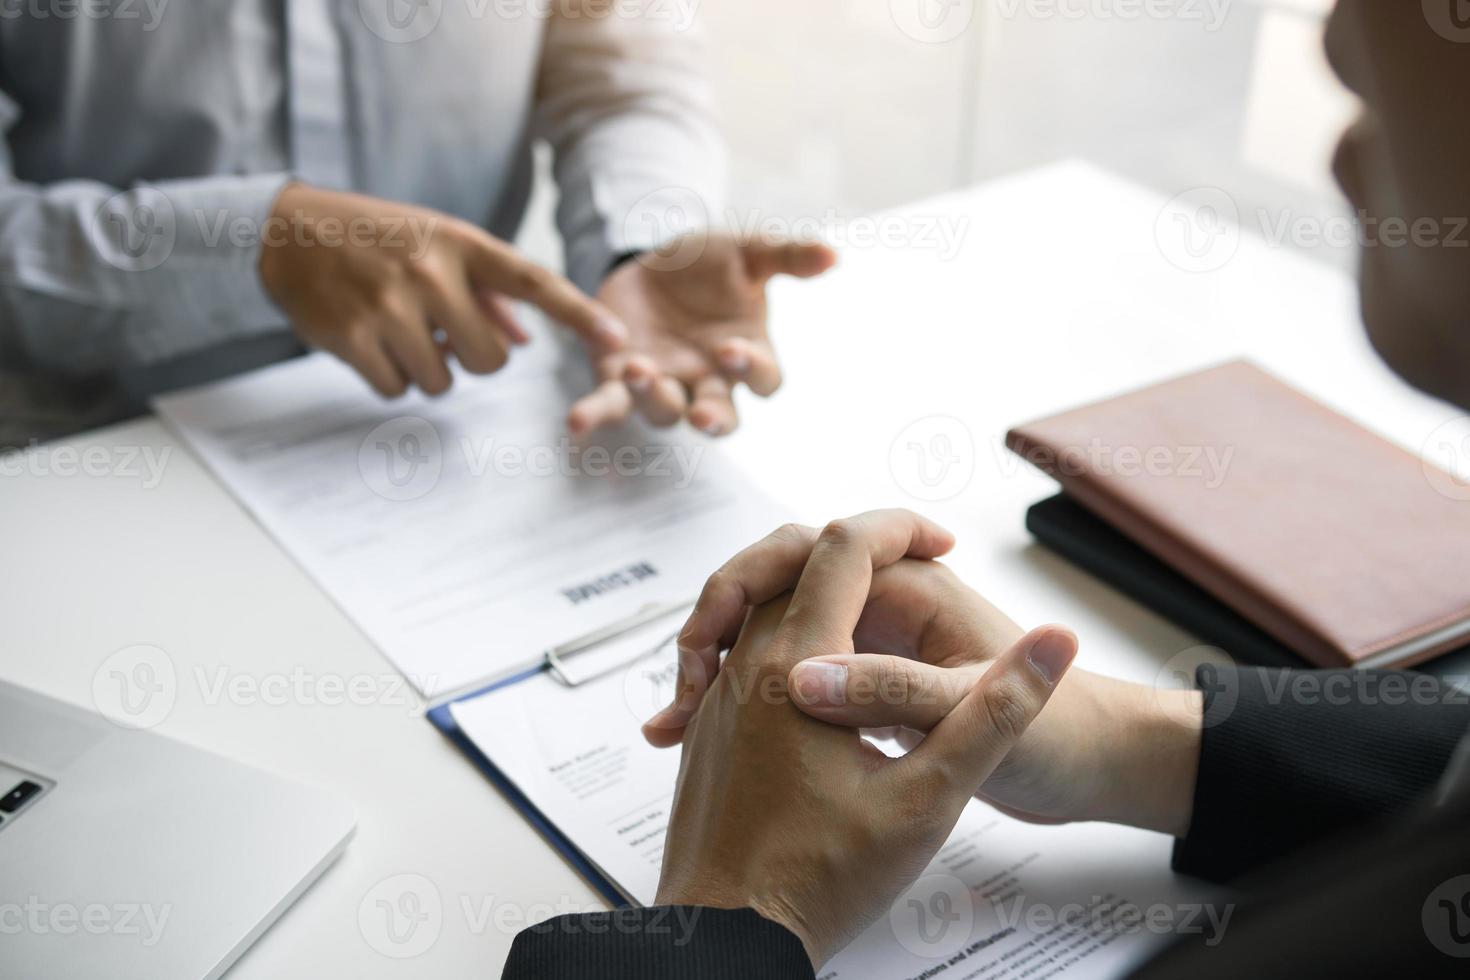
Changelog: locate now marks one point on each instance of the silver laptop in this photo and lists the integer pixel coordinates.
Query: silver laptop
(129, 856)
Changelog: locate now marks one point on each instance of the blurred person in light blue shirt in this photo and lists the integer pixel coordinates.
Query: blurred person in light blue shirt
(192, 189)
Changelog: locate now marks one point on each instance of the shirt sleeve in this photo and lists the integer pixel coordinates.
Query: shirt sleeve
(95, 277)
(661, 943)
(626, 106)
(1291, 757)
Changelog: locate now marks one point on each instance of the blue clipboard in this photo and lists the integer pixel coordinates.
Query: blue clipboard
(443, 719)
(555, 663)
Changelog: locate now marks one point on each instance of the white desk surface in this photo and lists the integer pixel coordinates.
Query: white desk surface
(1059, 295)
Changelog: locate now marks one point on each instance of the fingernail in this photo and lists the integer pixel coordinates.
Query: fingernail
(1051, 655)
(640, 383)
(821, 683)
(611, 330)
(712, 428)
(735, 361)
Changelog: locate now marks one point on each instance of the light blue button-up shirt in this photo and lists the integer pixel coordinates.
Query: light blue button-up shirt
(146, 139)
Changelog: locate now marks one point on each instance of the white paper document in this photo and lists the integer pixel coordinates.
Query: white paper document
(1001, 901)
(466, 535)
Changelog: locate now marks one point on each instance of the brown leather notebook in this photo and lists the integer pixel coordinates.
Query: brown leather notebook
(1326, 536)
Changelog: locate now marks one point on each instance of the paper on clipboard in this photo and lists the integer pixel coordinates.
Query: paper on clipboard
(467, 535)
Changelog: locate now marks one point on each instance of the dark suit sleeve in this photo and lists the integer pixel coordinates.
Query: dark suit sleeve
(681, 942)
(1290, 757)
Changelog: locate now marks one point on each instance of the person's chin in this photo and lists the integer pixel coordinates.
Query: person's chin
(1411, 345)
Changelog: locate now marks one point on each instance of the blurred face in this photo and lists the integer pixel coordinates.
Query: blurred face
(1405, 164)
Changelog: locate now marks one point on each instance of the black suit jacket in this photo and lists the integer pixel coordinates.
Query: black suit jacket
(1310, 798)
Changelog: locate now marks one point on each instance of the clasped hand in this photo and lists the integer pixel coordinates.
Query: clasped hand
(782, 805)
(805, 821)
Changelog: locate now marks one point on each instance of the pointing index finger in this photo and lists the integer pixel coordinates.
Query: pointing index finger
(499, 267)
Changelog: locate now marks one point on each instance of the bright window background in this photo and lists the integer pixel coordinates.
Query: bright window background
(857, 105)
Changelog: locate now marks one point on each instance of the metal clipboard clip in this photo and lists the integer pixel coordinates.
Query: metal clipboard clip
(558, 656)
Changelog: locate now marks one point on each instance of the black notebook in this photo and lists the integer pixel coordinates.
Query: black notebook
(1075, 533)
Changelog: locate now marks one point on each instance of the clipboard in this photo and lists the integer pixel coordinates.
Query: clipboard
(557, 661)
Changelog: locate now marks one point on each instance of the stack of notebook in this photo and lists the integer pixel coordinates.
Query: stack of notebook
(1259, 520)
